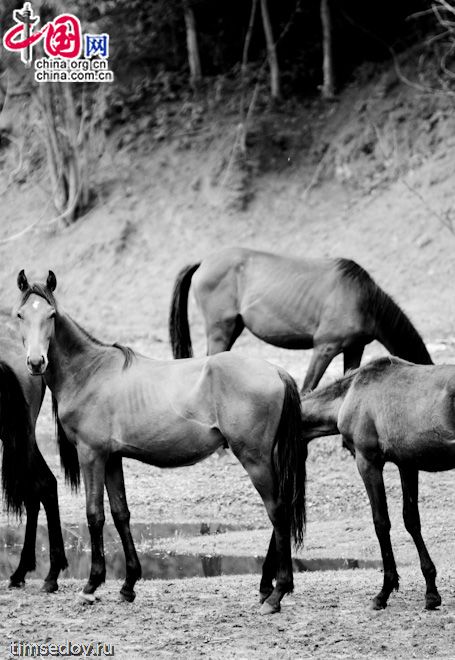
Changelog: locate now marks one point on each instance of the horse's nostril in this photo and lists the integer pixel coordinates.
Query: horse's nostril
(36, 363)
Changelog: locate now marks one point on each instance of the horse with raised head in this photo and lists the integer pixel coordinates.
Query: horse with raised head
(330, 305)
(391, 410)
(26, 477)
(114, 403)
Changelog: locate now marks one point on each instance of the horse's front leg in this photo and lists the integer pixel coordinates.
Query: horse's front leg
(371, 474)
(93, 471)
(27, 561)
(323, 355)
(115, 485)
(411, 517)
(47, 493)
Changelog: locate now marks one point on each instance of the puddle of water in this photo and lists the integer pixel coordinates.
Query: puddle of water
(160, 565)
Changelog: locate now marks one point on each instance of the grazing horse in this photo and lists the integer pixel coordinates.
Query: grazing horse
(330, 305)
(26, 477)
(391, 410)
(114, 403)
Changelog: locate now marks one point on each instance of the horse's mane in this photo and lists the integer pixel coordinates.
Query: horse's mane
(375, 369)
(333, 390)
(363, 375)
(394, 328)
(339, 386)
(128, 353)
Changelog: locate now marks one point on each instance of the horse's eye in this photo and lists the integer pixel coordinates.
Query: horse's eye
(19, 315)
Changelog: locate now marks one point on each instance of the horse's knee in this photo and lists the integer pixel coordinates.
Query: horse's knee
(121, 517)
(95, 519)
(382, 526)
(411, 522)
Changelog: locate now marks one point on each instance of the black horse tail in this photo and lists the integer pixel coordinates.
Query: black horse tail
(179, 329)
(15, 434)
(68, 452)
(396, 332)
(290, 458)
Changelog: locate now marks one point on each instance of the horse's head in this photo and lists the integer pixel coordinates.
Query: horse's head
(36, 314)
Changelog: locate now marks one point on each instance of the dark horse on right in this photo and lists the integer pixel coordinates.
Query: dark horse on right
(330, 305)
(391, 410)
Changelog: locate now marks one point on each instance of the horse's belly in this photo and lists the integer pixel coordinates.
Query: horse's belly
(431, 451)
(297, 342)
(277, 330)
(172, 447)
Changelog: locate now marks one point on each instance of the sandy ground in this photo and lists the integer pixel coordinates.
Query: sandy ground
(327, 615)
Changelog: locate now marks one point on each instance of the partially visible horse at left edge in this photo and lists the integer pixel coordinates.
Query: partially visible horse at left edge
(26, 478)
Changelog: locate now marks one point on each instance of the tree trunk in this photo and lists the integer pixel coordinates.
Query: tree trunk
(271, 52)
(249, 32)
(328, 85)
(191, 43)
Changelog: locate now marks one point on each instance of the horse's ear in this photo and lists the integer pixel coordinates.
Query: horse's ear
(22, 281)
(51, 281)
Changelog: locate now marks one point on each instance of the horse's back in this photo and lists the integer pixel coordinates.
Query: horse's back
(280, 299)
(405, 412)
(176, 412)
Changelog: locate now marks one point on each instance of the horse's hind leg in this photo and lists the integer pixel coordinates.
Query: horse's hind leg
(284, 579)
(222, 334)
(269, 569)
(115, 486)
(411, 517)
(374, 484)
(27, 561)
(278, 562)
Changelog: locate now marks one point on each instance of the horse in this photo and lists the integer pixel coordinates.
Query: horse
(391, 410)
(114, 403)
(330, 305)
(26, 477)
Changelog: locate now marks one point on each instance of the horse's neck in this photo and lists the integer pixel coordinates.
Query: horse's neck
(320, 414)
(71, 355)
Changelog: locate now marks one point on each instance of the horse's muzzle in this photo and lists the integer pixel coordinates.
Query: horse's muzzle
(37, 367)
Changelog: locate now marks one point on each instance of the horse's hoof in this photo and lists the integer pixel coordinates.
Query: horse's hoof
(377, 604)
(266, 608)
(432, 601)
(263, 595)
(127, 596)
(16, 584)
(49, 587)
(86, 599)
